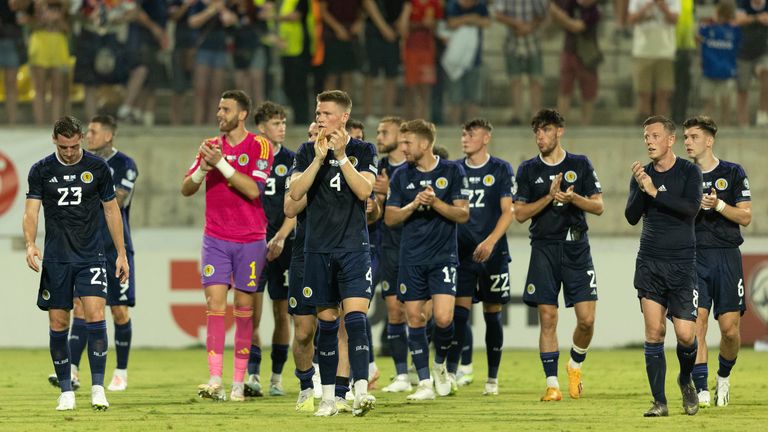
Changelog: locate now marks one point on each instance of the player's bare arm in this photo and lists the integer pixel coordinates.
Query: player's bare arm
(741, 213)
(291, 207)
(29, 225)
(485, 248)
(243, 183)
(592, 204)
(115, 225)
(192, 182)
(360, 183)
(302, 181)
(394, 215)
(372, 210)
(457, 211)
(122, 197)
(276, 243)
(525, 211)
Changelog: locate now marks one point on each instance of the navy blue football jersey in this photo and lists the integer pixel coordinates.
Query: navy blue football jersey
(713, 230)
(274, 190)
(389, 237)
(668, 220)
(428, 237)
(71, 197)
(124, 174)
(488, 184)
(301, 223)
(335, 217)
(534, 178)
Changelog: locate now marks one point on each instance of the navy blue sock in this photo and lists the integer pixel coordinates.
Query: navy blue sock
(305, 377)
(254, 360)
(342, 387)
(78, 338)
(370, 339)
(316, 355)
(279, 357)
(724, 371)
(443, 339)
(430, 331)
(577, 357)
(656, 368)
(686, 355)
(398, 347)
(466, 350)
(460, 318)
(328, 350)
(97, 350)
(494, 342)
(123, 335)
(549, 361)
(355, 322)
(417, 342)
(700, 374)
(57, 342)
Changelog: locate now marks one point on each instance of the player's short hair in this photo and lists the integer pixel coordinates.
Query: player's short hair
(726, 10)
(392, 119)
(106, 121)
(67, 127)
(702, 122)
(546, 117)
(441, 151)
(355, 124)
(478, 122)
(341, 98)
(421, 128)
(239, 96)
(668, 124)
(267, 111)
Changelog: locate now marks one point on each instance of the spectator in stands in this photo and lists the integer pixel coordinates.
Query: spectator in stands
(752, 16)
(49, 58)
(343, 20)
(522, 50)
(101, 56)
(382, 48)
(213, 19)
(720, 40)
(419, 55)
(183, 57)
(463, 56)
(146, 38)
(685, 31)
(653, 52)
(581, 54)
(11, 45)
(251, 53)
(297, 33)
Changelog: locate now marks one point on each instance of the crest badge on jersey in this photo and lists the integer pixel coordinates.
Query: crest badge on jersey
(307, 292)
(86, 177)
(403, 288)
(208, 270)
(746, 183)
(353, 161)
(570, 176)
(489, 180)
(292, 302)
(46, 295)
(441, 183)
(721, 184)
(130, 174)
(385, 286)
(262, 164)
(281, 170)
(242, 160)
(530, 289)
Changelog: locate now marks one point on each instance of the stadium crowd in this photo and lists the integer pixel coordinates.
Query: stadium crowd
(433, 49)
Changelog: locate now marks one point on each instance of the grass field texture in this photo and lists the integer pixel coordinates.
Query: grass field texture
(162, 396)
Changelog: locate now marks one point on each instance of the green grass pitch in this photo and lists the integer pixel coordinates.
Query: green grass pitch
(162, 397)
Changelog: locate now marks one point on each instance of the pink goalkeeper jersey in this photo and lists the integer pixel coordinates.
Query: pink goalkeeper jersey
(230, 215)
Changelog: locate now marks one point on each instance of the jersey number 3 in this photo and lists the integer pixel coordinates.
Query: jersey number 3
(75, 195)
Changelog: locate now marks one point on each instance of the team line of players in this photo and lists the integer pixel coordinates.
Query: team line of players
(433, 235)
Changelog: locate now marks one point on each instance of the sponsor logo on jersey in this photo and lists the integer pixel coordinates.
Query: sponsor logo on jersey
(474, 180)
(242, 160)
(530, 289)
(570, 176)
(489, 180)
(721, 184)
(86, 177)
(53, 180)
(292, 302)
(307, 292)
(70, 177)
(262, 164)
(539, 181)
(353, 161)
(403, 288)
(281, 170)
(208, 270)
(662, 188)
(441, 183)
(410, 186)
(46, 295)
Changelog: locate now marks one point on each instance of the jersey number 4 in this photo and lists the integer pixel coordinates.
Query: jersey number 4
(70, 196)
(336, 182)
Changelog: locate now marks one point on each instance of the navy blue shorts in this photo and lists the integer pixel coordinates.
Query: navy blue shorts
(421, 282)
(121, 294)
(487, 282)
(297, 301)
(275, 276)
(330, 278)
(61, 282)
(672, 285)
(566, 264)
(388, 270)
(376, 265)
(720, 280)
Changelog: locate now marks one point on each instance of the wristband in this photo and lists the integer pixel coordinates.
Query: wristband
(198, 176)
(720, 206)
(225, 168)
(343, 162)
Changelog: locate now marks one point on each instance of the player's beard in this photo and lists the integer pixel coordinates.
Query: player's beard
(227, 125)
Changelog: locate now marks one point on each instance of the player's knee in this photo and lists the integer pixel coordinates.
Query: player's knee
(443, 319)
(303, 335)
(58, 323)
(730, 332)
(120, 314)
(586, 324)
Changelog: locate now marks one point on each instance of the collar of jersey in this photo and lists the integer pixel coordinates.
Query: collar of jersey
(466, 161)
(433, 168)
(565, 155)
(713, 168)
(82, 154)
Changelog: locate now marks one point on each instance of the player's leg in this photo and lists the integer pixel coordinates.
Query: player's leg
(549, 350)
(78, 339)
(442, 289)
(729, 350)
(465, 375)
(303, 349)
(683, 304)
(700, 371)
(417, 342)
(494, 344)
(397, 337)
(91, 287)
(55, 296)
(654, 317)
(328, 354)
(280, 339)
(341, 390)
(119, 298)
(253, 386)
(461, 311)
(582, 336)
